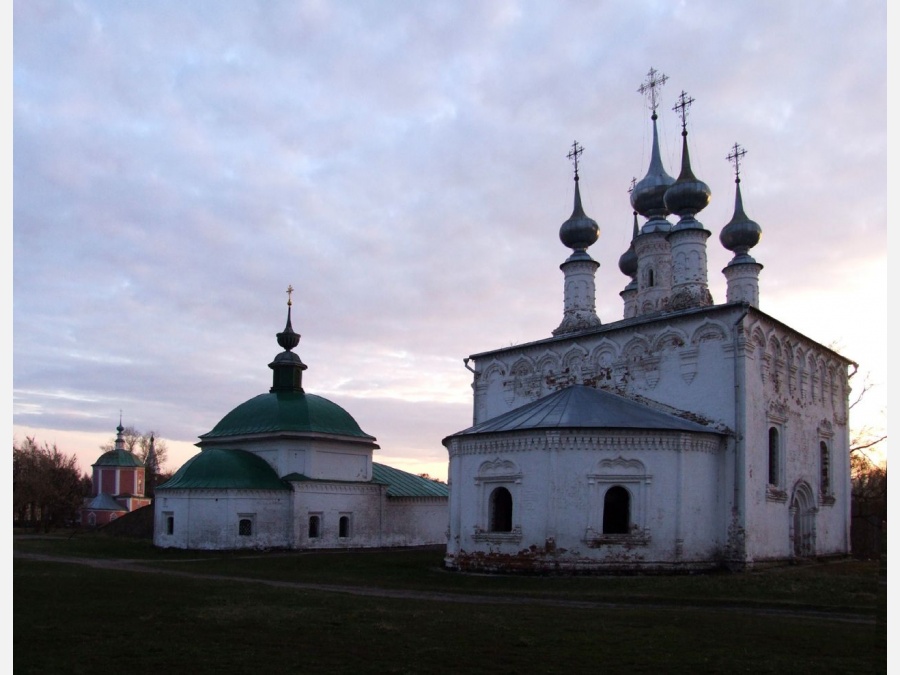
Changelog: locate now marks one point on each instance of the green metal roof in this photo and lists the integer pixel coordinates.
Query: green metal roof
(403, 484)
(118, 458)
(294, 411)
(221, 468)
(399, 483)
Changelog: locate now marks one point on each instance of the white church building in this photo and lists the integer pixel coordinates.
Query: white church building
(686, 435)
(289, 469)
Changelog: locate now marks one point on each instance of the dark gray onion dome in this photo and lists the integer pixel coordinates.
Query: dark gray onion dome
(740, 234)
(579, 231)
(628, 262)
(288, 339)
(287, 368)
(688, 195)
(649, 194)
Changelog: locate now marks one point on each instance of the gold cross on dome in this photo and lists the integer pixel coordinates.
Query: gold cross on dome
(655, 80)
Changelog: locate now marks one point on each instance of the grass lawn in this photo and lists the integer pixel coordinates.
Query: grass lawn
(76, 619)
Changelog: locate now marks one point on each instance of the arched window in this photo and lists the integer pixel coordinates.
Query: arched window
(501, 510)
(650, 278)
(825, 467)
(92, 519)
(616, 511)
(314, 527)
(344, 527)
(773, 456)
(245, 527)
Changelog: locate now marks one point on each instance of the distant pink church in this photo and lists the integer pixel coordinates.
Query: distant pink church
(118, 485)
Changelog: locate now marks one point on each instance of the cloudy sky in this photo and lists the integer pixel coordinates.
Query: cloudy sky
(403, 165)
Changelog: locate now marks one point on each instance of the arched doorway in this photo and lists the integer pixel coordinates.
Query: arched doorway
(803, 522)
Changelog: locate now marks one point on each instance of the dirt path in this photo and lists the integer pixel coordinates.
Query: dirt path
(437, 596)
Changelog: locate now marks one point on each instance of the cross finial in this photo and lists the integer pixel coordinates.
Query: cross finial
(650, 88)
(290, 289)
(682, 107)
(574, 154)
(735, 156)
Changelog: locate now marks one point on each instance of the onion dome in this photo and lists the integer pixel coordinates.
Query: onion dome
(688, 195)
(287, 368)
(579, 231)
(628, 262)
(648, 195)
(740, 234)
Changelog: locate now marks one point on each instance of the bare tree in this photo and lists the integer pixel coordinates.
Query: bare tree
(139, 444)
(48, 489)
(868, 485)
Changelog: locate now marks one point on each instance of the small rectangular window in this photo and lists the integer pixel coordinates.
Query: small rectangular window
(170, 524)
(245, 527)
(314, 527)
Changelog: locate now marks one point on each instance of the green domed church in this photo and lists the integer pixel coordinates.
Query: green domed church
(289, 469)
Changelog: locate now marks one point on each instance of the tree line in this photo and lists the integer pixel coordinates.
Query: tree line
(48, 489)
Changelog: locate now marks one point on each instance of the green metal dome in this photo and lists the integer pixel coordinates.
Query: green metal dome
(118, 458)
(287, 411)
(221, 468)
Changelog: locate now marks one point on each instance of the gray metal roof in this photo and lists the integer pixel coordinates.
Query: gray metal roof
(105, 502)
(582, 407)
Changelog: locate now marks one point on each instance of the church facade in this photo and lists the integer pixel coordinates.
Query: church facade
(118, 485)
(289, 469)
(687, 435)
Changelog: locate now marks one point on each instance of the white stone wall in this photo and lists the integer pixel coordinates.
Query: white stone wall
(801, 389)
(319, 458)
(363, 504)
(209, 519)
(415, 521)
(558, 481)
(677, 364)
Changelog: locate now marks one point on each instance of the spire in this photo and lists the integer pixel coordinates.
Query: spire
(648, 196)
(740, 234)
(287, 368)
(688, 195)
(579, 231)
(151, 470)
